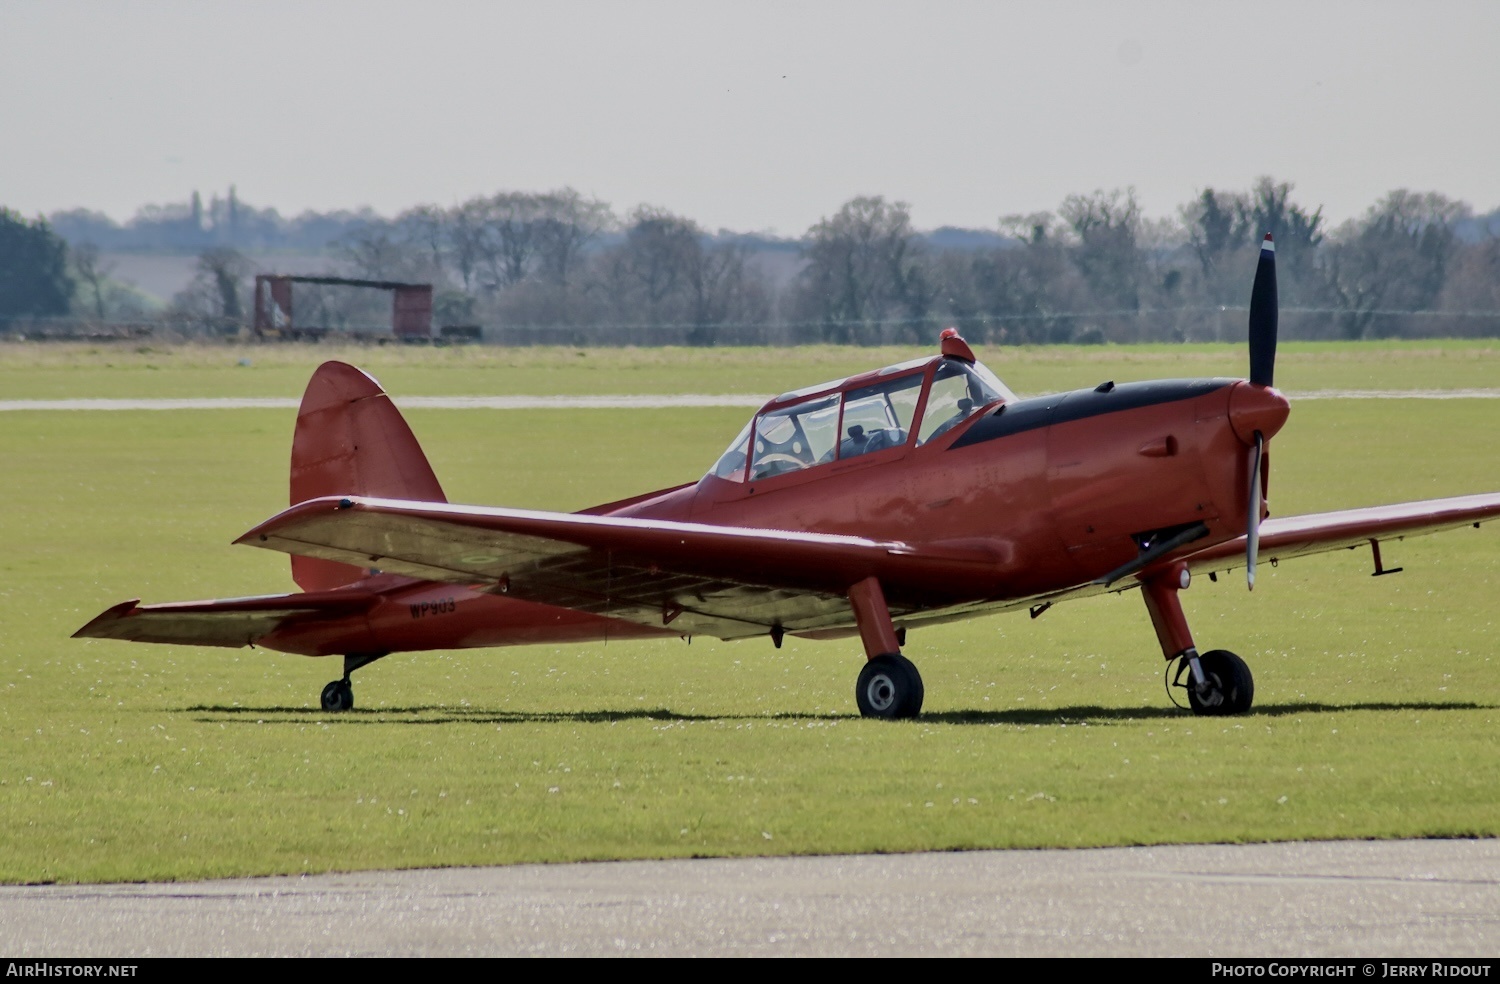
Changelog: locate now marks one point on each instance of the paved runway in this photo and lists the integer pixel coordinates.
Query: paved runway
(1346, 898)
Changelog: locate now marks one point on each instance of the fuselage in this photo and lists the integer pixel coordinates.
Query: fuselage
(1059, 489)
(1053, 491)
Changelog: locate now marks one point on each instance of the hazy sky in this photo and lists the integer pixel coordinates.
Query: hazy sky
(750, 115)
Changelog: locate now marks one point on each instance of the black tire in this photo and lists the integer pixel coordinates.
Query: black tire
(338, 696)
(889, 687)
(1230, 677)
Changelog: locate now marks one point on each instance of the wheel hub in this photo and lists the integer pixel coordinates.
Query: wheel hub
(881, 692)
(1211, 691)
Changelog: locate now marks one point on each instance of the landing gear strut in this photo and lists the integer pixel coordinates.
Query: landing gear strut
(1218, 682)
(339, 694)
(889, 685)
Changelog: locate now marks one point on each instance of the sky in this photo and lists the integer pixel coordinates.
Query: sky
(754, 115)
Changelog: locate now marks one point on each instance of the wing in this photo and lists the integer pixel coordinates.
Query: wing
(230, 622)
(1298, 536)
(1283, 539)
(734, 582)
(699, 579)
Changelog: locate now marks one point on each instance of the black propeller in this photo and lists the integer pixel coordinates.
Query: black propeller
(1263, 316)
(1262, 371)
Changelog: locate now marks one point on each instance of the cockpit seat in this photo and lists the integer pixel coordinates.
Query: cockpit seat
(965, 407)
(859, 442)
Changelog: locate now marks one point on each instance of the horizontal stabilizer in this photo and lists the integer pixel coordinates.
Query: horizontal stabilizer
(229, 622)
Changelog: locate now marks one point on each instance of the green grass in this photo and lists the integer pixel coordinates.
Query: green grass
(38, 371)
(1378, 699)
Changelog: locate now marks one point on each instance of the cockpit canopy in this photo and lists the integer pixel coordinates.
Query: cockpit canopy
(911, 403)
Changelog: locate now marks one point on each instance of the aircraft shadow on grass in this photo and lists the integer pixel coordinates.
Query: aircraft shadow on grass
(1075, 715)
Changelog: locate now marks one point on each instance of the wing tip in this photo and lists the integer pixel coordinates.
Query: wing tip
(110, 616)
(259, 534)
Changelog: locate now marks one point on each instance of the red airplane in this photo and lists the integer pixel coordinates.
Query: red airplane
(918, 493)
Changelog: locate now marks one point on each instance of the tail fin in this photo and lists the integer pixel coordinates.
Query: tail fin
(351, 439)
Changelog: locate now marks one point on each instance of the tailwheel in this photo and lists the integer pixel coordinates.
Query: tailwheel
(338, 696)
(1228, 687)
(889, 687)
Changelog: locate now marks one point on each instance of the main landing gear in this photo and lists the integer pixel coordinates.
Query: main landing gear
(889, 685)
(1217, 682)
(339, 694)
(1229, 690)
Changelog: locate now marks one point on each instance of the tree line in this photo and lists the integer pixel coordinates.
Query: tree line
(562, 266)
(195, 225)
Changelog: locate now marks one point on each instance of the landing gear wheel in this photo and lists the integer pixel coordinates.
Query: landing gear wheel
(338, 696)
(889, 687)
(1229, 678)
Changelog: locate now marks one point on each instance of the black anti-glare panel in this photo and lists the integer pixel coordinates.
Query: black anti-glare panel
(1060, 408)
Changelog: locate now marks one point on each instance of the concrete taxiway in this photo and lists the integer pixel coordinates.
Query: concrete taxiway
(1369, 899)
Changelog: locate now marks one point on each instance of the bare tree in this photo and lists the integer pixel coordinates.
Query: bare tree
(511, 239)
(726, 289)
(227, 269)
(375, 251)
(1217, 224)
(1472, 288)
(218, 290)
(566, 223)
(1296, 232)
(1027, 294)
(656, 261)
(861, 270)
(91, 272)
(466, 229)
(1106, 225)
(1396, 258)
(425, 228)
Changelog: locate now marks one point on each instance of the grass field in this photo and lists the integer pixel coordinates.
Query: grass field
(65, 371)
(1377, 699)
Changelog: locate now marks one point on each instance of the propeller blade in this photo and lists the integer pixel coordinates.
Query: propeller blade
(1252, 532)
(1263, 316)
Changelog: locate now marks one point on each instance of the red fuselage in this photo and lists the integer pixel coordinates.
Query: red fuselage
(1054, 491)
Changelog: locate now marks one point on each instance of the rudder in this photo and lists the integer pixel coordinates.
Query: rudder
(351, 440)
